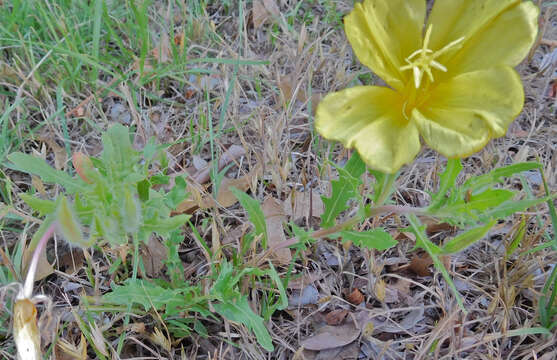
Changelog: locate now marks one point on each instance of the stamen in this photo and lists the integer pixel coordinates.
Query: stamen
(423, 60)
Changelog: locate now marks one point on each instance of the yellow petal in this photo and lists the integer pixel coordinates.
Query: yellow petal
(383, 33)
(464, 113)
(496, 32)
(369, 118)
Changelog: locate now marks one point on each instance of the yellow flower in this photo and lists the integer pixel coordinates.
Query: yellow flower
(455, 86)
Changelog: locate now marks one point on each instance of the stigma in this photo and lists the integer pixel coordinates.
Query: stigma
(423, 60)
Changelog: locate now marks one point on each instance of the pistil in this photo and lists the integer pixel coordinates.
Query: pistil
(423, 60)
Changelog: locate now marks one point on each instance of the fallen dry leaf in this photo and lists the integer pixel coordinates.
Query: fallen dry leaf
(225, 197)
(99, 341)
(259, 14)
(153, 254)
(231, 154)
(310, 295)
(298, 204)
(347, 352)
(355, 297)
(44, 268)
(272, 7)
(336, 317)
(435, 228)
(273, 210)
(420, 265)
(304, 280)
(71, 351)
(329, 337)
(60, 155)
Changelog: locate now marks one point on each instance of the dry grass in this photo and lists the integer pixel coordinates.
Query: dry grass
(268, 110)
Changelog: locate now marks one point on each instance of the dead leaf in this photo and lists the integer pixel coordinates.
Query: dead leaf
(273, 210)
(191, 204)
(259, 14)
(153, 254)
(225, 197)
(99, 341)
(420, 265)
(355, 297)
(329, 337)
(76, 352)
(60, 155)
(44, 268)
(350, 351)
(400, 287)
(71, 261)
(298, 204)
(231, 154)
(435, 228)
(272, 7)
(405, 235)
(48, 326)
(39, 185)
(310, 295)
(199, 163)
(304, 280)
(288, 84)
(336, 317)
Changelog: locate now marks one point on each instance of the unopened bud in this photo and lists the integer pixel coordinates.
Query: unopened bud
(83, 166)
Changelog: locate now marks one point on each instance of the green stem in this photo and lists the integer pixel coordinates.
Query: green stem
(386, 188)
(423, 242)
(347, 224)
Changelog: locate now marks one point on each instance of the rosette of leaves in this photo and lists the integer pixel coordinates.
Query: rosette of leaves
(114, 198)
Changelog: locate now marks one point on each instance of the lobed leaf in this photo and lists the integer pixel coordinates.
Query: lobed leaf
(343, 190)
(255, 212)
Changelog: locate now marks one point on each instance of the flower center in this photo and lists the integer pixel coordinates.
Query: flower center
(423, 60)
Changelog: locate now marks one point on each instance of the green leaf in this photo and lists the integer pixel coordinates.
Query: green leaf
(529, 331)
(372, 239)
(165, 226)
(118, 153)
(383, 188)
(283, 299)
(476, 204)
(462, 241)
(446, 182)
(255, 213)
(146, 294)
(518, 236)
(495, 175)
(33, 165)
(511, 207)
(44, 207)
(178, 193)
(343, 189)
(69, 225)
(143, 190)
(238, 310)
